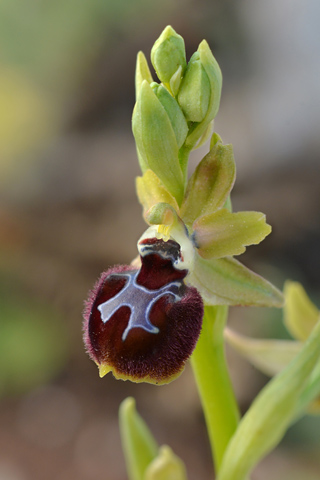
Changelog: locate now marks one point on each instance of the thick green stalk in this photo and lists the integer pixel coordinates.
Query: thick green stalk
(212, 377)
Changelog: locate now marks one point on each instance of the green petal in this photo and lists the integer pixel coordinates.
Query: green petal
(222, 233)
(268, 356)
(226, 281)
(142, 72)
(211, 183)
(156, 141)
(150, 191)
(139, 446)
(166, 466)
(300, 314)
(271, 413)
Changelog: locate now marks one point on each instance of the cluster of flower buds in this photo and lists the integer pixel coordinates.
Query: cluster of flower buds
(175, 116)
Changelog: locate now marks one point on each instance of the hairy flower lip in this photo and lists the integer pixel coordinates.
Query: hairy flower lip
(133, 337)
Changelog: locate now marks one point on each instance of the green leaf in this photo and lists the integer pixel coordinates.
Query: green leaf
(156, 141)
(271, 357)
(226, 281)
(142, 72)
(210, 184)
(271, 413)
(309, 401)
(268, 356)
(138, 444)
(151, 191)
(166, 466)
(300, 314)
(222, 233)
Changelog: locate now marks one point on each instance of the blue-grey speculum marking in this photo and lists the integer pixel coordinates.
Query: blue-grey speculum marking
(139, 299)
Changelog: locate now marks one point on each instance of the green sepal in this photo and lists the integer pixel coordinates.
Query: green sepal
(268, 356)
(194, 93)
(138, 444)
(222, 233)
(300, 314)
(151, 191)
(168, 54)
(166, 466)
(225, 281)
(174, 112)
(215, 138)
(142, 72)
(210, 184)
(175, 81)
(156, 141)
(214, 74)
(271, 413)
(204, 137)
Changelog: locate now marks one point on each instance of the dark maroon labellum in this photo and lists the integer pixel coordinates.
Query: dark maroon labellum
(144, 324)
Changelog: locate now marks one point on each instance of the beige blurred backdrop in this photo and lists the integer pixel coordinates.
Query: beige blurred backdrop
(68, 211)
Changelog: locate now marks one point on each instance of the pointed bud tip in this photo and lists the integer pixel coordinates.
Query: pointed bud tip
(169, 31)
(127, 406)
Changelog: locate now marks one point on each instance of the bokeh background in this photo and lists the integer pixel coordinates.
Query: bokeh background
(68, 211)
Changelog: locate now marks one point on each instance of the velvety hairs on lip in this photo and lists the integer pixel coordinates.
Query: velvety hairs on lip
(143, 324)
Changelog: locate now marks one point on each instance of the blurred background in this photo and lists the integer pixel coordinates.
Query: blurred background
(68, 211)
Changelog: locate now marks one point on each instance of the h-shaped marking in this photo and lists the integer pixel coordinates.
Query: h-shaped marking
(139, 299)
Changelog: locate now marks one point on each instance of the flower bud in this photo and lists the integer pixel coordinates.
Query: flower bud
(166, 466)
(144, 324)
(194, 93)
(174, 112)
(200, 91)
(168, 54)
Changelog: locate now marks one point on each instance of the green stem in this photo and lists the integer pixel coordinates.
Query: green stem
(212, 377)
